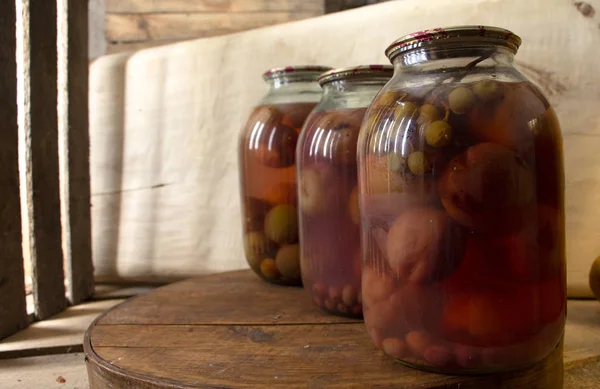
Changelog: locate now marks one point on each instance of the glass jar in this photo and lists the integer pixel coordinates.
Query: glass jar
(328, 193)
(462, 215)
(267, 158)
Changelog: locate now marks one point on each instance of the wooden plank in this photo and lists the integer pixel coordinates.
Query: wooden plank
(226, 331)
(156, 6)
(141, 27)
(40, 174)
(44, 372)
(74, 149)
(235, 291)
(335, 358)
(64, 330)
(13, 313)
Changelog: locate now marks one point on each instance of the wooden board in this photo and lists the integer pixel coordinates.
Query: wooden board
(13, 313)
(165, 196)
(165, 26)
(74, 149)
(157, 6)
(40, 173)
(231, 330)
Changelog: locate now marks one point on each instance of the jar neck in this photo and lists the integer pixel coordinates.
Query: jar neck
(286, 89)
(480, 58)
(350, 93)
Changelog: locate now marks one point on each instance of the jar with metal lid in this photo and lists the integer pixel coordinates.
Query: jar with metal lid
(267, 163)
(328, 193)
(462, 214)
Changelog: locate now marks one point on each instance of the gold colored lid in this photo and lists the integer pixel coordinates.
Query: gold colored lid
(459, 35)
(378, 72)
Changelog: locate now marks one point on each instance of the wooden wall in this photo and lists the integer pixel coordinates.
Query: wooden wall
(135, 24)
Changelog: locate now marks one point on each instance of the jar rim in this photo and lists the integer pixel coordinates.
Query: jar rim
(455, 35)
(310, 72)
(378, 72)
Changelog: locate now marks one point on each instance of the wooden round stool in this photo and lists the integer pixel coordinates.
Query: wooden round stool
(232, 330)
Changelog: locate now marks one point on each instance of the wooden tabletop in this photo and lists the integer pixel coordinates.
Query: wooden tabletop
(232, 330)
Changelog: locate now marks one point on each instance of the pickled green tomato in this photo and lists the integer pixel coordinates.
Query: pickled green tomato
(438, 134)
(418, 163)
(429, 113)
(461, 99)
(488, 90)
(405, 109)
(281, 224)
(256, 248)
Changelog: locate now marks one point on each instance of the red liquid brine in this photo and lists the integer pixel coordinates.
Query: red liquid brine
(463, 226)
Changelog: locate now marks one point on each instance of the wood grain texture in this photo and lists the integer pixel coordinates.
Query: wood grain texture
(13, 314)
(153, 342)
(235, 292)
(175, 179)
(177, 6)
(74, 150)
(41, 155)
(165, 26)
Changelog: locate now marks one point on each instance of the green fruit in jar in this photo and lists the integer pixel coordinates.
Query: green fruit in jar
(418, 163)
(405, 110)
(281, 224)
(396, 162)
(429, 113)
(268, 268)
(256, 247)
(488, 90)
(288, 261)
(461, 99)
(438, 134)
(595, 278)
(386, 100)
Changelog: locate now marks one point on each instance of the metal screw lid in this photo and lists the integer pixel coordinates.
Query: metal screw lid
(310, 71)
(375, 72)
(459, 35)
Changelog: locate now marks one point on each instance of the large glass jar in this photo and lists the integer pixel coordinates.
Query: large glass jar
(462, 215)
(267, 158)
(328, 193)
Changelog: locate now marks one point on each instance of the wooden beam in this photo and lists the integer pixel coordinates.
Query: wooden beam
(74, 148)
(144, 6)
(39, 169)
(13, 314)
(164, 26)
